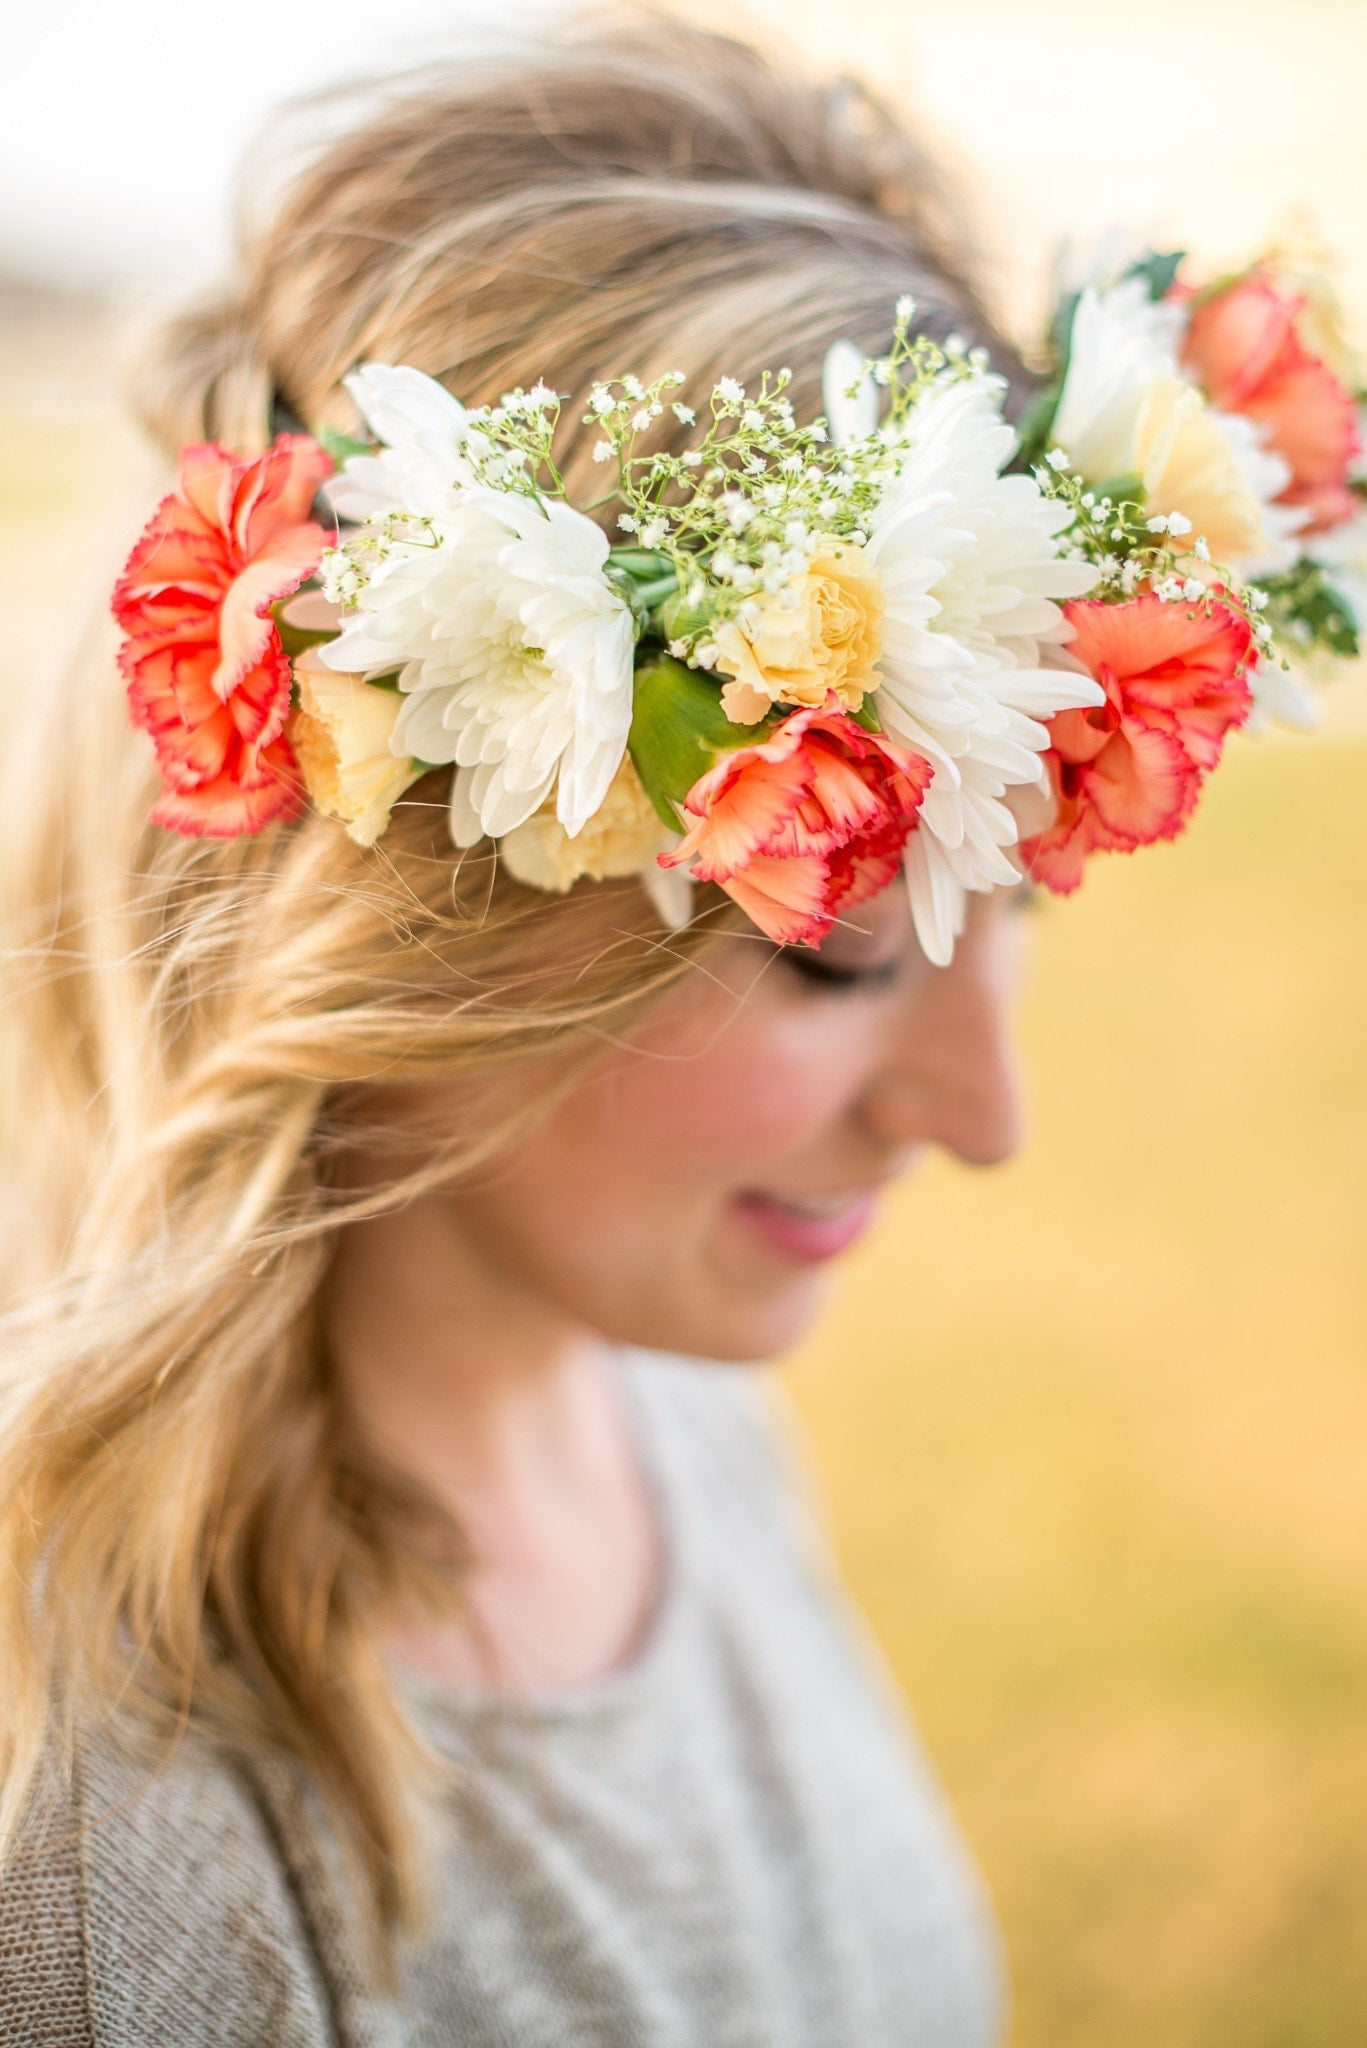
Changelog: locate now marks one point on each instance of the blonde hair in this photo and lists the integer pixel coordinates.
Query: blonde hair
(186, 1524)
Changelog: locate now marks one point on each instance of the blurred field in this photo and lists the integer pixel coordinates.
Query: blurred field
(1093, 1427)
(1094, 1430)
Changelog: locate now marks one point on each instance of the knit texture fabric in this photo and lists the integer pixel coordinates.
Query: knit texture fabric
(730, 1843)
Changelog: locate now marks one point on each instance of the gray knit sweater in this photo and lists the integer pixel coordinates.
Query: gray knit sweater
(730, 1844)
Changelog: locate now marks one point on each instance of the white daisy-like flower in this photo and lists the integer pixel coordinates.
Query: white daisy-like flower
(423, 466)
(514, 654)
(973, 658)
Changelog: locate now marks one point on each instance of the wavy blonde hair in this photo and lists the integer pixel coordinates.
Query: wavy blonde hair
(195, 1031)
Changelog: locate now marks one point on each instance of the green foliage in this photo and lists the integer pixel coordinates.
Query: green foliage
(341, 447)
(1304, 608)
(1158, 268)
(678, 728)
(1035, 427)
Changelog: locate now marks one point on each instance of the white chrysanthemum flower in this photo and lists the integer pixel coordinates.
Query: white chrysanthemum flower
(423, 466)
(515, 657)
(973, 653)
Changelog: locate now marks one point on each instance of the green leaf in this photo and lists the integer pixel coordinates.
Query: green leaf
(680, 620)
(1036, 423)
(643, 565)
(295, 639)
(645, 578)
(1061, 330)
(1304, 605)
(341, 447)
(1125, 489)
(678, 729)
(1158, 268)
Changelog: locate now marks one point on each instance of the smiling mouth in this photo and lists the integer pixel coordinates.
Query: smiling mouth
(809, 1228)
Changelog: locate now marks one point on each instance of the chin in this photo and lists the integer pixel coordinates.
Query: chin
(735, 1328)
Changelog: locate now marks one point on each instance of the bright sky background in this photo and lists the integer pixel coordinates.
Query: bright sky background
(124, 119)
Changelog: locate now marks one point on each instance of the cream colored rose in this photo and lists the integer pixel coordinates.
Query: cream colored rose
(621, 838)
(826, 637)
(341, 734)
(1187, 465)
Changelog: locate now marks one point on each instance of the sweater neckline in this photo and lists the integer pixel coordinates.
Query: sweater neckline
(620, 1690)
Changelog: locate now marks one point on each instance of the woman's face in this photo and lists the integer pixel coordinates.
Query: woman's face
(692, 1191)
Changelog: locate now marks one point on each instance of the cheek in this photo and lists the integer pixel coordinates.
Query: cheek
(617, 1208)
(761, 1086)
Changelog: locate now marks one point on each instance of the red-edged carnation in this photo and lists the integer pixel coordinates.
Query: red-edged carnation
(1128, 772)
(207, 675)
(803, 824)
(1246, 347)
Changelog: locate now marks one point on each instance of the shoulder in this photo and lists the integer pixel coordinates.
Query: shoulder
(148, 1906)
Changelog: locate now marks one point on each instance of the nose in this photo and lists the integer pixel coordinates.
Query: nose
(949, 1075)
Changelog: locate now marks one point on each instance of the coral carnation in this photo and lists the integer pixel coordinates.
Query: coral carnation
(811, 820)
(1246, 346)
(1128, 772)
(207, 675)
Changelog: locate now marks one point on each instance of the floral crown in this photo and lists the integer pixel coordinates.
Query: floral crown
(904, 635)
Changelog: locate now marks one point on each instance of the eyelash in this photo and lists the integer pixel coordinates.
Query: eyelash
(840, 980)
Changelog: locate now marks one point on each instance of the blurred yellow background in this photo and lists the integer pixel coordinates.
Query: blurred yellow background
(1093, 1428)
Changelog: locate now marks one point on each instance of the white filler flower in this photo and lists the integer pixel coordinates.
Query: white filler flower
(515, 657)
(973, 642)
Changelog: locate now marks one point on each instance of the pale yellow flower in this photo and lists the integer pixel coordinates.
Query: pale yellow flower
(1301, 262)
(341, 734)
(621, 838)
(797, 653)
(1187, 465)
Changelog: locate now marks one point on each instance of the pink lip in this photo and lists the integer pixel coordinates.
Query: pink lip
(807, 1238)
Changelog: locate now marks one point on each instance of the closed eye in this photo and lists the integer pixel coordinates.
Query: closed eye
(815, 969)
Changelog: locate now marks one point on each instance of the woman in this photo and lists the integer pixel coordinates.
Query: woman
(415, 1628)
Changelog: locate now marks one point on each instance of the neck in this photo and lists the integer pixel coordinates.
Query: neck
(502, 1411)
(455, 1374)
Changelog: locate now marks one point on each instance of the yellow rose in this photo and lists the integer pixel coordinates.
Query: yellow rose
(1302, 264)
(341, 735)
(1186, 465)
(827, 636)
(621, 838)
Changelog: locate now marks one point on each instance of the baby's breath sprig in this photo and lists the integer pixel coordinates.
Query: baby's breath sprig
(510, 446)
(1134, 551)
(346, 570)
(914, 362)
(732, 517)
